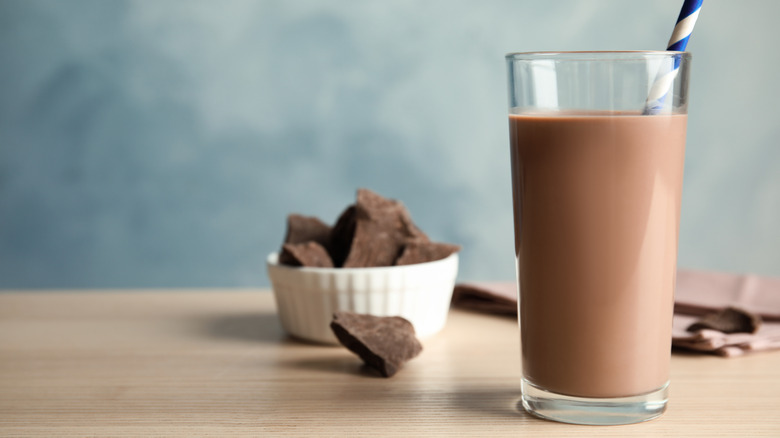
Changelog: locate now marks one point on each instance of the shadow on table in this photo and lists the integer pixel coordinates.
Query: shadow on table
(496, 402)
(254, 327)
(344, 364)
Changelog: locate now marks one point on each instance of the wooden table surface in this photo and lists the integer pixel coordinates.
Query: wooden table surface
(108, 363)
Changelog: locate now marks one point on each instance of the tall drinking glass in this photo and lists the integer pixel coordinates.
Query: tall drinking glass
(597, 178)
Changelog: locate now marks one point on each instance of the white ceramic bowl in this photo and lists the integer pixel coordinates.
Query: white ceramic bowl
(306, 298)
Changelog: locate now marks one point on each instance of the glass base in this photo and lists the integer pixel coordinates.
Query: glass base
(593, 411)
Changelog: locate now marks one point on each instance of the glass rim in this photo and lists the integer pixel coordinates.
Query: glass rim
(600, 55)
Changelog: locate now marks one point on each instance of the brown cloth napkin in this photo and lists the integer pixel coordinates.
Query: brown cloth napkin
(698, 293)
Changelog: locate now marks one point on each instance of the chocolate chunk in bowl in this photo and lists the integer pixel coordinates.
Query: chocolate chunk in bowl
(310, 254)
(302, 229)
(382, 226)
(342, 235)
(417, 251)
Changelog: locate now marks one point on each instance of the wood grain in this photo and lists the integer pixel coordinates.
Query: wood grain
(194, 363)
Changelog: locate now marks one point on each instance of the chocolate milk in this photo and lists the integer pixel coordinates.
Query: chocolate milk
(597, 202)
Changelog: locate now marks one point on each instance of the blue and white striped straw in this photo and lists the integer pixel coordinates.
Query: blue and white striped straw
(678, 42)
(684, 27)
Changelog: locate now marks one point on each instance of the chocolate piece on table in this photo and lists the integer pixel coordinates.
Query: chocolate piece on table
(418, 251)
(302, 229)
(382, 226)
(728, 320)
(384, 343)
(310, 254)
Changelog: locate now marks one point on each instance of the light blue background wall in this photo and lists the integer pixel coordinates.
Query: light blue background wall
(162, 143)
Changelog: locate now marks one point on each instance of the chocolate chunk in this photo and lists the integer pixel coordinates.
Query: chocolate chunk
(389, 211)
(728, 320)
(490, 297)
(384, 343)
(310, 254)
(302, 229)
(375, 231)
(418, 251)
(382, 226)
(342, 235)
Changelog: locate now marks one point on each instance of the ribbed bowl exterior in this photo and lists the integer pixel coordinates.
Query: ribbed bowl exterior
(306, 298)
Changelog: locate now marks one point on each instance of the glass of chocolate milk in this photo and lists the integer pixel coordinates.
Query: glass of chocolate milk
(596, 176)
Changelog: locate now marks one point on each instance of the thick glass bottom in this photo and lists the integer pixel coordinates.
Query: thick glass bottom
(593, 411)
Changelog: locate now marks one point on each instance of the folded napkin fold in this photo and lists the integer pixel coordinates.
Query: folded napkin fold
(698, 293)
(702, 292)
